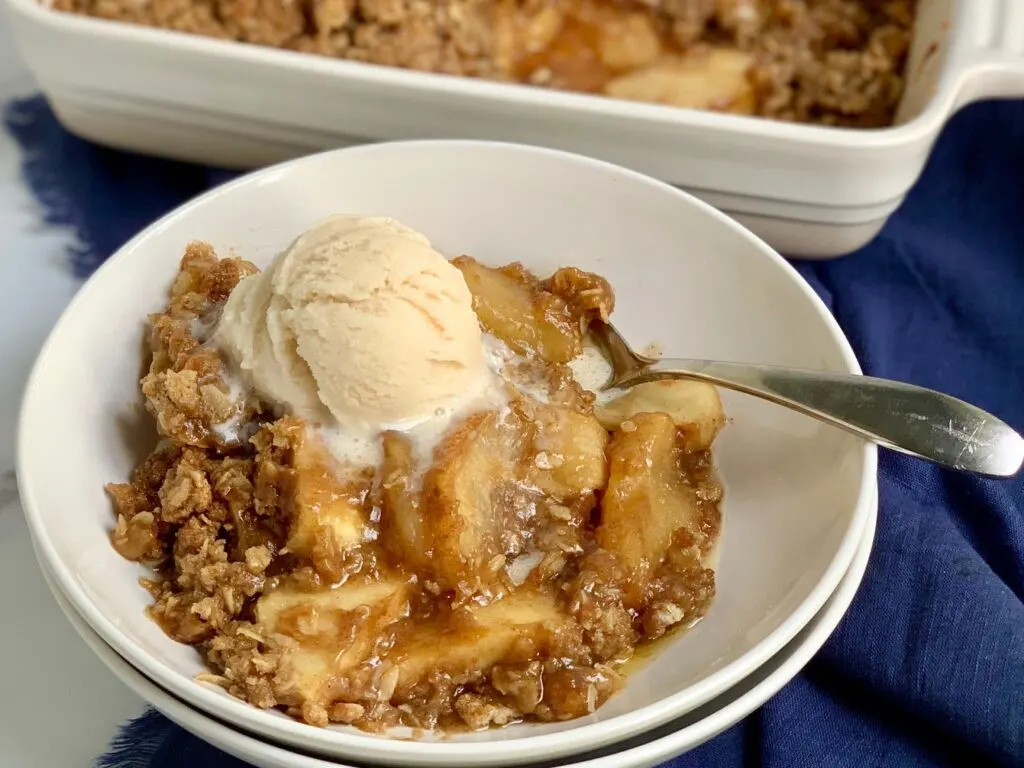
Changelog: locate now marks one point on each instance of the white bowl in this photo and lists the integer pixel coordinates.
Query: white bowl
(652, 748)
(798, 493)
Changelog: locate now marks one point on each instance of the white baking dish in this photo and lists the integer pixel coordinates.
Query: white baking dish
(808, 190)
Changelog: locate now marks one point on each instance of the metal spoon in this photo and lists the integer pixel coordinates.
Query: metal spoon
(914, 420)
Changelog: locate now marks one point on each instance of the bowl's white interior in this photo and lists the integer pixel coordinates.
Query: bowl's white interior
(685, 277)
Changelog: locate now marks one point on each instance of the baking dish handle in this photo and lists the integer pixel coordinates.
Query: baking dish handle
(993, 54)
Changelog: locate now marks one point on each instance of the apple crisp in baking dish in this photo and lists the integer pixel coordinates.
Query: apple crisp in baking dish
(832, 62)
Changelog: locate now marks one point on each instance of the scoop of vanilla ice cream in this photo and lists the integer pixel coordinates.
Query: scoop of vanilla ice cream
(360, 318)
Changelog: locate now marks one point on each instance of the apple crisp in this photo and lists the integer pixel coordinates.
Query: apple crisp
(507, 576)
(834, 62)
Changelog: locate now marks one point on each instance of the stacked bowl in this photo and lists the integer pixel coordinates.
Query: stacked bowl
(799, 509)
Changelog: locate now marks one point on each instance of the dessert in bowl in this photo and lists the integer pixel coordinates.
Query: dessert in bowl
(797, 493)
(383, 498)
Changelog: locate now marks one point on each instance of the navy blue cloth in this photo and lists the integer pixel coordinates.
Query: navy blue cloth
(927, 669)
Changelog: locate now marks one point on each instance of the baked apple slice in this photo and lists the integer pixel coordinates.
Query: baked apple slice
(330, 630)
(324, 500)
(648, 499)
(514, 629)
(694, 406)
(513, 306)
(402, 530)
(476, 509)
(568, 451)
(717, 79)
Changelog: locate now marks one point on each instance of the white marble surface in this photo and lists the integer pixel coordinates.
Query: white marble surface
(59, 706)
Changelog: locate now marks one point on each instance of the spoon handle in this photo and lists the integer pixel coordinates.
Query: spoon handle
(907, 418)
